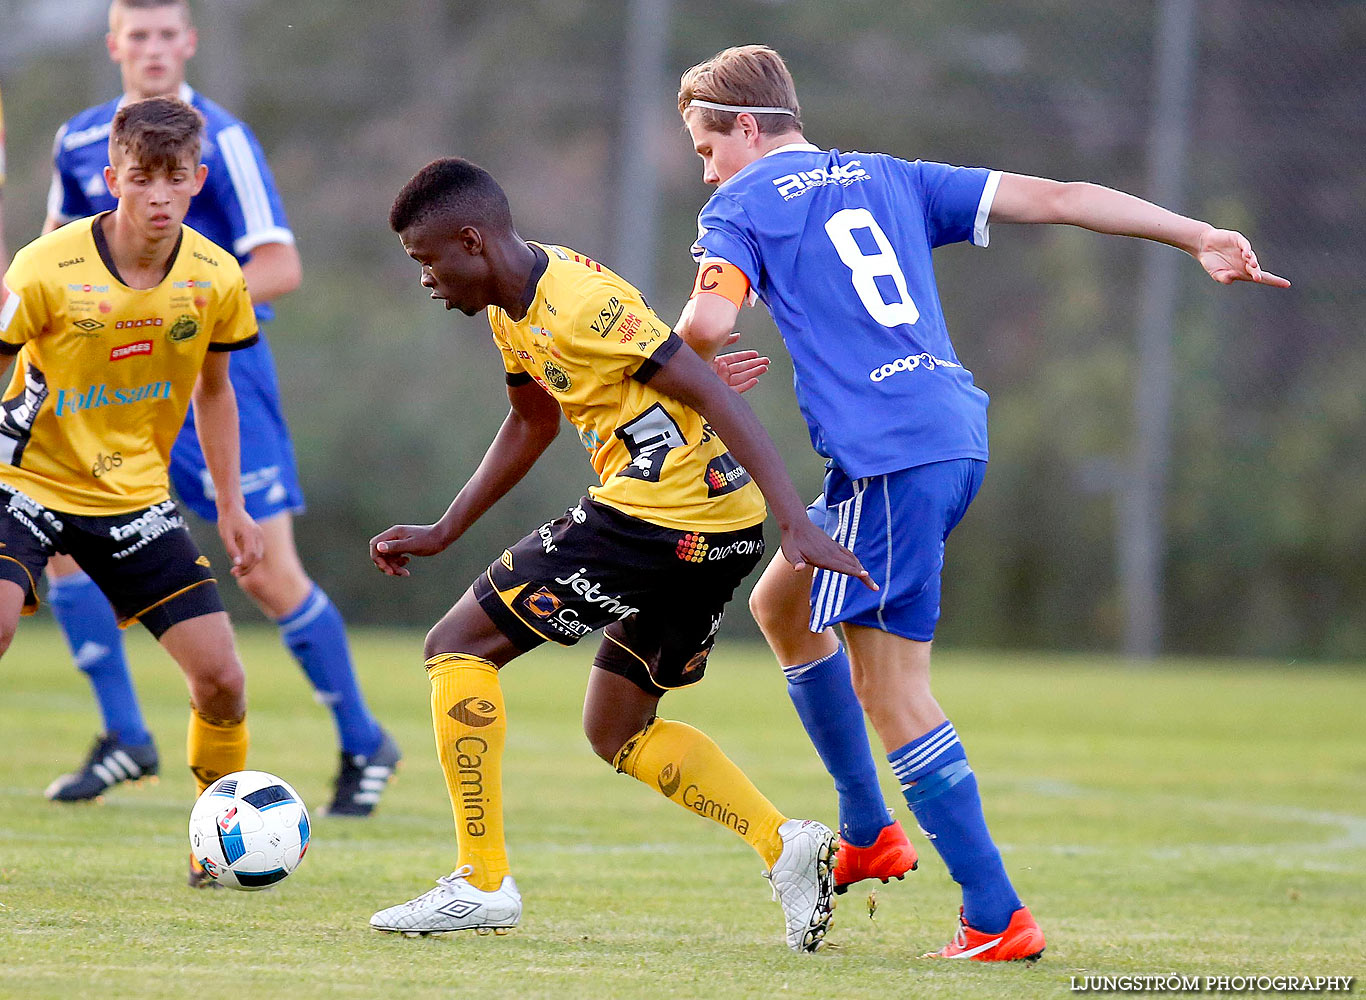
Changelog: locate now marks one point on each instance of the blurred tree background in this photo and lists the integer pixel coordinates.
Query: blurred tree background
(392, 401)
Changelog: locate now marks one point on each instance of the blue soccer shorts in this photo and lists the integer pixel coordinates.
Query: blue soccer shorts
(896, 524)
(270, 478)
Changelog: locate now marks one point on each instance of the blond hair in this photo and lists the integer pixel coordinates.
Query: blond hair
(121, 5)
(744, 76)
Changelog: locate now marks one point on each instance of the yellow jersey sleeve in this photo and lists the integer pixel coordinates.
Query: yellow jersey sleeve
(617, 334)
(23, 315)
(235, 320)
(513, 368)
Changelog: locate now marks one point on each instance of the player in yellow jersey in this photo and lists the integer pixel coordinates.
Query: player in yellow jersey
(4, 258)
(652, 554)
(119, 322)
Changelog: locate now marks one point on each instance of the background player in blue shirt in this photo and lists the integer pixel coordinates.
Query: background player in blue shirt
(838, 247)
(240, 210)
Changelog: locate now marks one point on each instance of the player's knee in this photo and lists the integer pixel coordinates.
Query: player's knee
(606, 736)
(444, 637)
(219, 685)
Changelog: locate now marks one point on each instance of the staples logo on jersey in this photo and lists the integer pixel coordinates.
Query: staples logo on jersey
(909, 364)
(130, 350)
(70, 401)
(795, 185)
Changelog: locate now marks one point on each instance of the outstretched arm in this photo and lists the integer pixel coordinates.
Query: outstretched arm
(530, 426)
(1224, 254)
(687, 378)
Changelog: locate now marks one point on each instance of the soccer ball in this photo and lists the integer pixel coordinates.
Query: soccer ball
(249, 829)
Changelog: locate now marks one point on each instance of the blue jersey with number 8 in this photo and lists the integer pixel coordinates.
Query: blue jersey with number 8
(838, 247)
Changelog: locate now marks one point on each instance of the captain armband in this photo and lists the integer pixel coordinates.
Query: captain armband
(720, 277)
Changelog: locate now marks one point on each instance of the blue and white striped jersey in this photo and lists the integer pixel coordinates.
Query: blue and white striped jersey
(838, 247)
(239, 208)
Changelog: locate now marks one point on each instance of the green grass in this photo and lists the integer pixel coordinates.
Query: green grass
(1201, 818)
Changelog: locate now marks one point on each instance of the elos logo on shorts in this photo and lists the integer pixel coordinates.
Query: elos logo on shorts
(477, 715)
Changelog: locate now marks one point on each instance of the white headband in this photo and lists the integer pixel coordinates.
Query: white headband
(737, 108)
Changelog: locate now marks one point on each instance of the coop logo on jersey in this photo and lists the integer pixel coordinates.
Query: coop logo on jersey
(130, 350)
(795, 185)
(608, 316)
(184, 328)
(556, 377)
(724, 475)
(909, 364)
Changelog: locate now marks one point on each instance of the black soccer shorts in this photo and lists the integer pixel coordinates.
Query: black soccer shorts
(660, 593)
(144, 561)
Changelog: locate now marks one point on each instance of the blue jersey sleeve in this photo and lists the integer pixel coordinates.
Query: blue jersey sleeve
(243, 186)
(66, 202)
(957, 201)
(724, 231)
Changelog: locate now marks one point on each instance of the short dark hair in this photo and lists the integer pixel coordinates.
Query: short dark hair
(155, 133)
(452, 189)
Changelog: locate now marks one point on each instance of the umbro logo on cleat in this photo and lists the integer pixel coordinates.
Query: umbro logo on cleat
(459, 908)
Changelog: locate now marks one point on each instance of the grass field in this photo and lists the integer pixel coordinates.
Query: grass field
(1196, 818)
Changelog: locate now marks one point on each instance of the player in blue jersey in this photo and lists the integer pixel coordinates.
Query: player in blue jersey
(838, 247)
(241, 210)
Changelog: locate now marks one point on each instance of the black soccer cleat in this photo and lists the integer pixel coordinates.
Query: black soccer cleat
(362, 779)
(108, 764)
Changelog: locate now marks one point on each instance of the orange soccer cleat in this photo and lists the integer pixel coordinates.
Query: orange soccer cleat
(890, 856)
(1021, 941)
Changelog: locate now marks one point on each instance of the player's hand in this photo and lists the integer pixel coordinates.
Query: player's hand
(243, 539)
(806, 545)
(1227, 256)
(391, 549)
(740, 370)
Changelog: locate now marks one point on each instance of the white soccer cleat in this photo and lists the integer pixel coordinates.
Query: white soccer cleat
(454, 905)
(804, 881)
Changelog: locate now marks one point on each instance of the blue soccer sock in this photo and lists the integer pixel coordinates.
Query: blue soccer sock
(316, 635)
(941, 790)
(823, 695)
(92, 633)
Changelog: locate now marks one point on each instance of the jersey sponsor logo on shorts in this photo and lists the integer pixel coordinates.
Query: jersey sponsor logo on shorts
(909, 364)
(71, 401)
(556, 377)
(669, 779)
(506, 560)
(130, 350)
(692, 547)
(607, 317)
(591, 592)
(88, 325)
(157, 520)
(649, 438)
(542, 603)
(547, 539)
(795, 185)
(474, 712)
(696, 662)
(202, 561)
(184, 328)
(133, 324)
(724, 475)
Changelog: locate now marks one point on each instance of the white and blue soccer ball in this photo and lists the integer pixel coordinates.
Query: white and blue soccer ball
(249, 829)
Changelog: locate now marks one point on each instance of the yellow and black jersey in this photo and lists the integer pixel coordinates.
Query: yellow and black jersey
(105, 372)
(592, 343)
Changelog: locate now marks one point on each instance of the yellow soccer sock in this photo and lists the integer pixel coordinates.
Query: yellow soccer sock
(471, 729)
(686, 767)
(215, 747)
